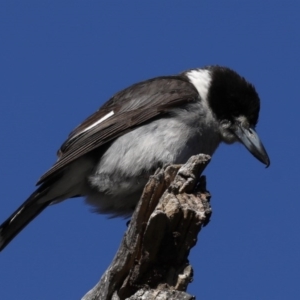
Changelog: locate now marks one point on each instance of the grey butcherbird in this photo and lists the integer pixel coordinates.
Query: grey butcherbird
(110, 156)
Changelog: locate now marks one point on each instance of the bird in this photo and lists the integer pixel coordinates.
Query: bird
(110, 156)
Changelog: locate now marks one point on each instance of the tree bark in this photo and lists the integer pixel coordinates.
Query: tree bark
(152, 261)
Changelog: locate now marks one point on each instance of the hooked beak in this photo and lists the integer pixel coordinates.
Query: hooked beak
(249, 138)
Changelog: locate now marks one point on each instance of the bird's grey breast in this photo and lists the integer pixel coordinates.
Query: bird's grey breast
(125, 167)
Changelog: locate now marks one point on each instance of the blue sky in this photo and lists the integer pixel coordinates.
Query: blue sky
(60, 60)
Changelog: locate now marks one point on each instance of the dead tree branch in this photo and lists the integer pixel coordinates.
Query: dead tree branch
(152, 261)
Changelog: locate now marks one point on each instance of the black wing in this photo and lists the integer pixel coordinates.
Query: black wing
(131, 107)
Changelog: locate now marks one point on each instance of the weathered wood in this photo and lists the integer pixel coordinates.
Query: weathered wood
(152, 261)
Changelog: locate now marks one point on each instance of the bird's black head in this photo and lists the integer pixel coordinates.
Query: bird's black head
(235, 103)
(231, 96)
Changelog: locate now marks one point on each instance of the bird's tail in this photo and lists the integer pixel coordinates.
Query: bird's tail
(30, 209)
